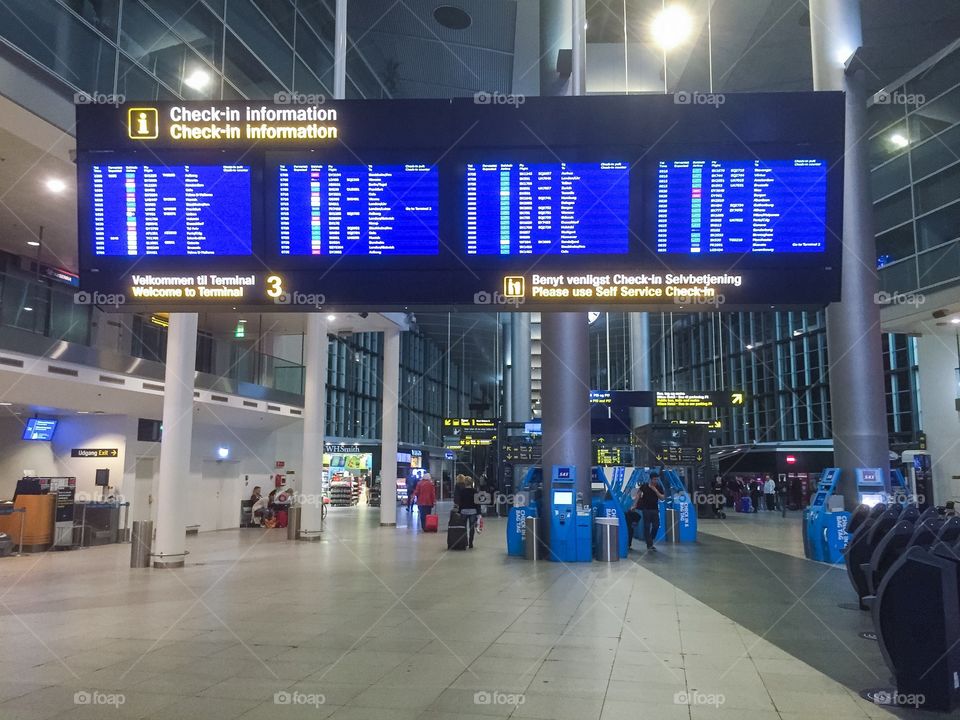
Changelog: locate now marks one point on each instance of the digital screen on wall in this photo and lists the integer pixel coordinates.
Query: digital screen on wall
(39, 429)
(373, 210)
(516, 208)
(709, 206)
(178, 210)
(567, 203)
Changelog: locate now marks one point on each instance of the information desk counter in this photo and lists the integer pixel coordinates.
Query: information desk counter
(37, 522)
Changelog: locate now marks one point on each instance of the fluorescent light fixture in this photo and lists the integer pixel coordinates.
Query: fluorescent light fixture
(27, 308)
(223, 452)
(197, 80)
(6, 404)
(56, 185)
(899, 140)
(33, 243)
(83, 412)
(671, 26)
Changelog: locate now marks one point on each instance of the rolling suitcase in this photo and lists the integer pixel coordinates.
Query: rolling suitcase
(457, 532)
(431, 523)
(745, 505)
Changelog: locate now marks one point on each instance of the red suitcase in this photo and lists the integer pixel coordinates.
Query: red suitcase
(432, 523)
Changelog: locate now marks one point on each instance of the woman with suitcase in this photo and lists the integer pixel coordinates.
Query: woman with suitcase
(465, 498)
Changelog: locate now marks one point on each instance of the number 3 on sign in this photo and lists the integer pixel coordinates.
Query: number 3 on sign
(274, 286)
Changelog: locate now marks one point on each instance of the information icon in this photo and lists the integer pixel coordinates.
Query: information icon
(142, 124)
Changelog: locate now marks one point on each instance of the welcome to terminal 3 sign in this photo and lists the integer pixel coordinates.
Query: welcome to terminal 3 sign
(557, 203)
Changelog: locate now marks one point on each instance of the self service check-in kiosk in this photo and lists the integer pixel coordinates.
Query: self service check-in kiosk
(871, 489)
(571, 518)
(825, 530)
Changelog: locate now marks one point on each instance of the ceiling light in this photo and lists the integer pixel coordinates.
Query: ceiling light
(6, 404)
(899, 140)
(955, 321)
(671, 26)
(83, 412)
(27, 308)
(331, 317)
(843, 54)
(33, 243)
(197, 80)
(223, 452)
(56, 185)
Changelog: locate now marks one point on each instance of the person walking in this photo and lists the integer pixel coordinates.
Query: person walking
(648, 503)
(426, 497)
(465, 498)
(770, 491)
(756, 492)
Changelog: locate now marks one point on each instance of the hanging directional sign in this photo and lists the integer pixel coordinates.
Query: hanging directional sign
(677, 399)
(94, 452)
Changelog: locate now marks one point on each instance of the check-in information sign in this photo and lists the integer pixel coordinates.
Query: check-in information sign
(636, 202)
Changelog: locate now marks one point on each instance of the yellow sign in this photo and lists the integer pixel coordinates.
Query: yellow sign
(736, 399)
(513, 286)
(142, 124)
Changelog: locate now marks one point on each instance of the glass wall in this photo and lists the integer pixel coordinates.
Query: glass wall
(191, 49)
(915, 177)
(780, 360)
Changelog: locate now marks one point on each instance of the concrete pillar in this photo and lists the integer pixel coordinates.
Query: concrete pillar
(555, 34)
(170, 546)
(938, 360)
(640, 364)
(314, 426)
(857, 405)
(506, 331)
(566, 398)
(520, 367)
(390, 417)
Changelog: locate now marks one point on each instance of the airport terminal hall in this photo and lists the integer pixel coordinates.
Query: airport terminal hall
(479, 359)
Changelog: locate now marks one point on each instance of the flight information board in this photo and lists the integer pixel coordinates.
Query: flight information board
(547, 208)
(741, 206)
(358, 209)
(172, 210)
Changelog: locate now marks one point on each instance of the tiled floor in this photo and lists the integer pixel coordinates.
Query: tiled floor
(383, 623)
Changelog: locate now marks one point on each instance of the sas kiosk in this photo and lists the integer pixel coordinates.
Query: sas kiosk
(824, 524)
(571, 518)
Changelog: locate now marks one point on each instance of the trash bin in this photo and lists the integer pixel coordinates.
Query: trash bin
(672, 525)
(141, 542)
(607, 541)
(293, 522)
(532, 547)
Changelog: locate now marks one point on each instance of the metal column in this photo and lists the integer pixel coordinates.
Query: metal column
(390, 415)
(314, 426)
(640, 364)
(858, 407)
(171, 543)
(520, 367)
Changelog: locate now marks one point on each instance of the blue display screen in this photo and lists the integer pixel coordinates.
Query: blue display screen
(39, 429)
(548, 208)
(358, 209)
(173, 210)
(741, 206)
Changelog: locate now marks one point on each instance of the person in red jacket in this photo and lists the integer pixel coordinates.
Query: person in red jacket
(426, 497)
